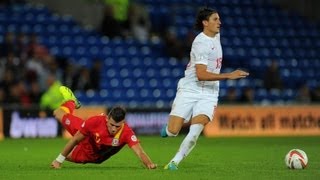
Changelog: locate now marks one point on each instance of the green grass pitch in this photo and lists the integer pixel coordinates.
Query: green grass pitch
(213, 158)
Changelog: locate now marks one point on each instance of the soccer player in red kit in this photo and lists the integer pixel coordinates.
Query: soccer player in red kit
(97, 138)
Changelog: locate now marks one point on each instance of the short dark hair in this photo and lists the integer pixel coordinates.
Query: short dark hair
(117, 113)
(203, 14)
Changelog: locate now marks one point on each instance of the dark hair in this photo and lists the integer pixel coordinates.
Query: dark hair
(203, 14)
(117, 113)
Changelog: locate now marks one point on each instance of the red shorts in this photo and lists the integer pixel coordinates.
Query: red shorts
(71, 123)
(83, 153)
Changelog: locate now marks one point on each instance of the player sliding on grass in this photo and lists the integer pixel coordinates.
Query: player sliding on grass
(197, 95)
(97, 138)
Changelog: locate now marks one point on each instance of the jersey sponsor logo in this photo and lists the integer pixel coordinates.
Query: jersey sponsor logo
(115, 142)
(67, 122)
(133, 138)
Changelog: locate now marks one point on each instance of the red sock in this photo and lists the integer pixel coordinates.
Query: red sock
(70, 105)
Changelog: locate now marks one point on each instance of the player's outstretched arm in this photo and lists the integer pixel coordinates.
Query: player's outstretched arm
(56, 164)
(204, 75)
(237, 74)
(143, 156)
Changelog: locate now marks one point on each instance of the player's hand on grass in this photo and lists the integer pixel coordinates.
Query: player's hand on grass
(152, 166)
(55, 164)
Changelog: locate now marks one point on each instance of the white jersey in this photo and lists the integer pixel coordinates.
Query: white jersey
(196, 97)
(207, 51)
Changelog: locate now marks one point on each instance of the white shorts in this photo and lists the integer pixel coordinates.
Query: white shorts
(188, 105)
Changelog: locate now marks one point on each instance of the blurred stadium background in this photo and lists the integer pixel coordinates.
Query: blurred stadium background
(140, 74)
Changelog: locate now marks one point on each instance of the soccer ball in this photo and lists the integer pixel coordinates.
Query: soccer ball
(296, 159)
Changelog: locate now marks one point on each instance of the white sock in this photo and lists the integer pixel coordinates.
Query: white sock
(169, 133)
(188, 143)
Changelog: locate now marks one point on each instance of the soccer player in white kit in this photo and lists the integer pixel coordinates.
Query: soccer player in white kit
(198, 91)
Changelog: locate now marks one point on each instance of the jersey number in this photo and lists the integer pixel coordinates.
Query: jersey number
(218, 63)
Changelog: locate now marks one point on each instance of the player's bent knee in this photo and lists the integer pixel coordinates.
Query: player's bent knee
(172, 131)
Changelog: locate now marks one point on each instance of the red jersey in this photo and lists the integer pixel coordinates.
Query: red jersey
(99, 145)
